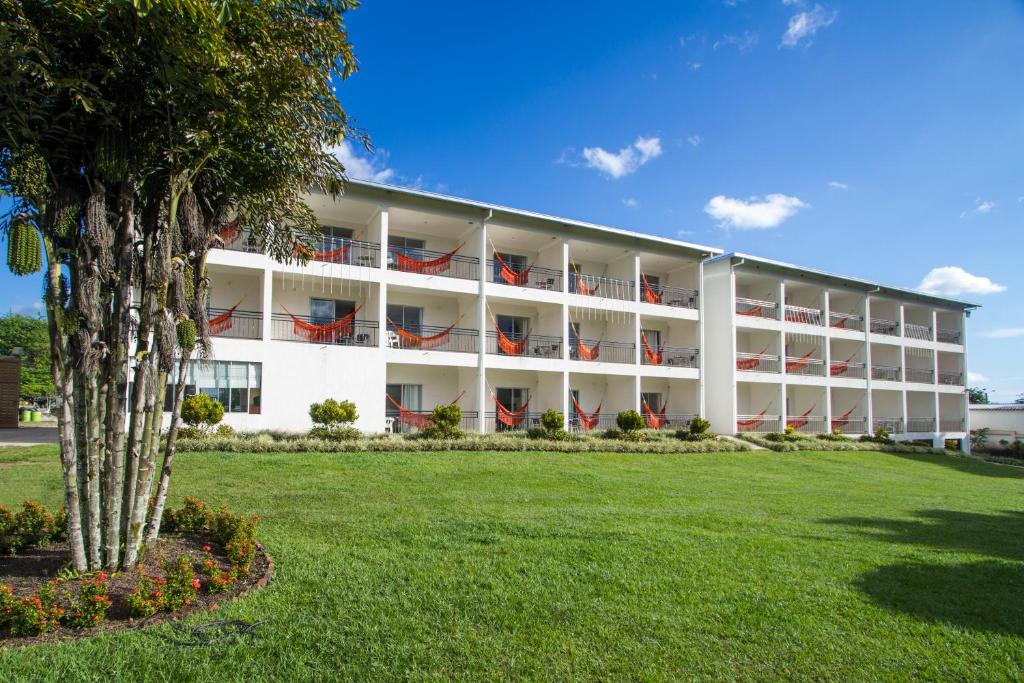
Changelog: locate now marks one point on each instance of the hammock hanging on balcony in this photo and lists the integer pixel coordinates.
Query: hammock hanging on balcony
(326, 333)
(509, 274)
(415, 341)
(652, 357)
(796, 314)
(840, 322)
(511, 418)
(229, 233)
(801, 420)
(413, 418)
(650, 296)
(330, 256)
(581, 288)
(843, 419)
(841, 367)
(506, 345)
(799, 363)
(753, 310)
(587, 422)
(751, 363)
(220, 324)
(434, 266)
(654, 420)
(752, 423)
(588, 354)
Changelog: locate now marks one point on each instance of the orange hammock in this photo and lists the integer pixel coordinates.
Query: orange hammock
(509, 347)
(843, 419)
(582, 288)
(588, 354)
(801, 421)
(753, 310)
(414, 341)
(331, 256)
(841, 322)
(229, 233)
(326, 333)
(753, 423)
(512, 418)
(650, 296)
(654, 420)
(652, 357)
(425, 267)
(750, 363)
(588, 422)
(799, 363)
(841, 367)
(511, 276)
(223, 322)
(414, 419)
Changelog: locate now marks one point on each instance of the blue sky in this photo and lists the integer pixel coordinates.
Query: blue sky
(871, 138)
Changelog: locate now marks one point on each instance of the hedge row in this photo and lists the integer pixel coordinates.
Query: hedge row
(812, 444)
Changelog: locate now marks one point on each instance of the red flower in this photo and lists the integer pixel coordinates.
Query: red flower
(206, 548)
(195, 583)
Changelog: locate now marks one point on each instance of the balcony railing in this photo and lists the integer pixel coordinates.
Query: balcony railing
(458, 339)
(948, 336)
(920, 424)
(850, 425)
(675, 421)
(920, 375)
(757, 362)
(914, 331)
(358, 253)
(470, 420)
(886, 373)
(845, 321)
(664, 295)
(851, 370)
(361, 332)
(595, 285)
(673, 356)
(534, 278)
(608, 352)
(239, 241)
(893, 425)
(887, 327)
(492, 424)
(537, 346)
(606, 420)
(811, 424)
(434, 263)
(807, 316)
(814, 367)
(758, 424)
(951, 378)
(951, 424)
(757, 309)
(239, 325)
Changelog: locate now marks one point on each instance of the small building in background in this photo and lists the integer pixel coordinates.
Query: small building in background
(1005, 422)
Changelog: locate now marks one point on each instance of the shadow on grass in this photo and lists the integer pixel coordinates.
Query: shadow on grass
(987, 596)
(965, 464)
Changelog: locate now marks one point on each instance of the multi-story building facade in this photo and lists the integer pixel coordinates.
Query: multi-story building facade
(415, 299)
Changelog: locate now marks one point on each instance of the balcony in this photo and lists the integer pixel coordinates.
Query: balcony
(235, 324)
(427, 262)
(955, 424)
(886, 373)
(955, 379)
(893, 425)
(807, 424)
(673, 421)
(848, 369)
(812, 367)
(606, 420)
(302, 328)
(532, 346)
(758, 424)
(594, 285)
(806, 316)
(492, 424)
(921, 375)
(607, 352)
(757, 309)
(533, 277)
(434, 338)
(920, 424)
(757, 362)
(850, 425)
(674, 356)
(886, 327)
(237, 239)
(470, 420)
(664, 295)
(844, 321)
(922, 332)
(948, 336)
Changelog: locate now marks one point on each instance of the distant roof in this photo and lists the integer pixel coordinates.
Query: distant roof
(800, 272)
(497, 212)
(997, 406)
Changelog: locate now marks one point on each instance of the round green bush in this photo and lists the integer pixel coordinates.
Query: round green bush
(331, 413)
(201, 411)
(552, 420)
(629, 421)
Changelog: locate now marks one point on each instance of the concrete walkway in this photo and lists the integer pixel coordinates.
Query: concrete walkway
(29, 436)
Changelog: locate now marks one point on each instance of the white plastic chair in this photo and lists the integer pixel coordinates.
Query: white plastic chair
(391, 339)
(389, 425)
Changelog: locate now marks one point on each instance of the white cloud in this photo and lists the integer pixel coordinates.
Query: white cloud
(694, 66)
(630, 202)
(954, 280)
(792, 3)
(357, 167)
(838, 185)
(1004, 333)
(806, 24)
(980, 207)
(973, 377)
(744, 42)
(694, 139)
(624, 162)
(754, 213)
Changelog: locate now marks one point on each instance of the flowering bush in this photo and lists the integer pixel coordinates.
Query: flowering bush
(191, 517)
(238, 536)
(37, 613)
(182, 584)
(217, 580)
(89, 607)
(33, 525)
(148, 597)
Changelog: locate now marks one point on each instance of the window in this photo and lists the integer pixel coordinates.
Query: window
(322, 311)
(512, 326)
(574, 398)
(574, 334)
(409, 318)
(653, 401)
(515, 262)
(513, 398)
(235, 384)
(653, 339)
(409, 396)
(409, 246)
(653, 281)
(336, 233)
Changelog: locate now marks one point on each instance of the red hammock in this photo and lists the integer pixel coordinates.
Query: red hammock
(511, 276)
(434, 266)
(509, 347)
(223, 322)
(650, 296)
(582, 288)
(655, 420)
(801, 421)
(753, 310)
(326, 333)
(588, 422)
(512, 418)
(588, 354)
(799, 363)
(843, 419)
(750, 363)
(414, 341)
(331, 256)
(753, 423)
(230, 232)
(840, 322)
(414, 419)
(841, 367)
(652, 357)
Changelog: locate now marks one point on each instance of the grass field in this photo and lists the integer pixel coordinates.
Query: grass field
(545, 566)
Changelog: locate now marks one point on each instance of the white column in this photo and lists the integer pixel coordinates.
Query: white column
(382, 294)
(966, 442)
(565, 396)
(826, 308)
(268, 303)
(482, 325)
(700, 344)
(565, 301)
(870, 408)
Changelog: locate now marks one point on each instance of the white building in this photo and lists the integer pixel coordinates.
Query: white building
(427, 299)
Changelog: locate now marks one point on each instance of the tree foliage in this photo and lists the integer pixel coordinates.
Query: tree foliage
(129, 131)
(29, 334)
(200, 410)
(978, 396)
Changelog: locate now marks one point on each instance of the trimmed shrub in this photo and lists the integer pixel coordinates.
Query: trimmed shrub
(337, 434)
(446, 421)
(89, 607)
(148, 597)
(629, 421)
(201, 412)
(553, 420)
(835, 435)
(181, 583)
(332, 420)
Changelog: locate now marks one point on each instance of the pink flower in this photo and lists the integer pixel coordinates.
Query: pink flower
(195, 583)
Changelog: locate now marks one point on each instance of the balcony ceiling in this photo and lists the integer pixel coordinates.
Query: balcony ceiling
(346, 212)
(417, 223)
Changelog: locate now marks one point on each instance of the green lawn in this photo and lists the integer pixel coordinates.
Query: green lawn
(546, 566)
